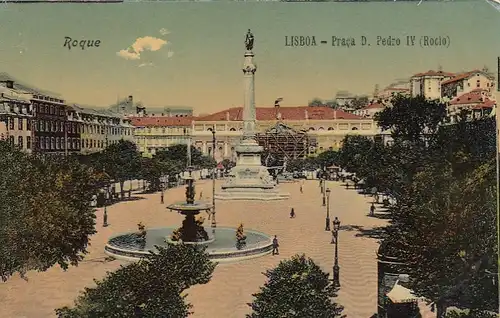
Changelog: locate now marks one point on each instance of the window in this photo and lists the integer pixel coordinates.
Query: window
(47, 127)
(73, 128)
(11, 140)
(52, 143)
(68, 143)
(38, 125)
(20, 141)
(28, 142)
(209, 129)
(354, 128)
(37, 142)
(58, 143)
(51, 109)
(11, 123)
(330, 128)
(20, 124)
(47, 143)
(28, 124)
(86, 143)
(478, 83)
(232, 129)
(74, 143)
(54, 127)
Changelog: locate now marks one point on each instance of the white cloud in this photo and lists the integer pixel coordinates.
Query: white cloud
(145, 64)
(164, 31)
(147, 43)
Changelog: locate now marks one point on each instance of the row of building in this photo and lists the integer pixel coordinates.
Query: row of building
(38, 121)
(326, 126)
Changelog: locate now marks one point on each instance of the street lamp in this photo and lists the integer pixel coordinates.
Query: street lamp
(335, 238)
(214, 224)
(105, 216)
(327, 221)
(162, 188)
(323, 191)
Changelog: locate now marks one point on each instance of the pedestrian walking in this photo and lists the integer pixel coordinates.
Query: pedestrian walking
(301, 189)
(201, 194)
(275, 246)
(292, 214)
(372, 210)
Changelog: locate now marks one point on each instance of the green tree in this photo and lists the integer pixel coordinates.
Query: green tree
(45, 215)
(360, 102)
(152, 287)
(122, 162)
(327, 158)
(412, 118)
(296, 288)
(178, 153)
(153, 169)
(315, 102)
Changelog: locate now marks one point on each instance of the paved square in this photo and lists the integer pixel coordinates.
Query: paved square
(232, 284)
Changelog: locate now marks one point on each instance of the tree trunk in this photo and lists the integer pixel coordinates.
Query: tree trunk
(441, 310)
(122, 193)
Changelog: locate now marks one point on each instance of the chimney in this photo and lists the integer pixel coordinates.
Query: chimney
(227, 116)
(9, 84)
(306, 115)
(334, 114)
(162, 114)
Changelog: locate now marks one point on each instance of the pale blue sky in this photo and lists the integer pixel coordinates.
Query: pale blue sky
(207, 44)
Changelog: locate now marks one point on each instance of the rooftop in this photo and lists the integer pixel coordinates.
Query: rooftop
(434, 73)
(162, 121)
(287, 113)
(476, 96)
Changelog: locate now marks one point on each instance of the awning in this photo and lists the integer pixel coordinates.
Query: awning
(400, 295)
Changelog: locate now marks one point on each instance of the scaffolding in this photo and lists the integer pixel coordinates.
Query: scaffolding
(282, 144)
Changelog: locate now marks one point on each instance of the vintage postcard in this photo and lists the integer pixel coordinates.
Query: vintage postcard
(249, 160)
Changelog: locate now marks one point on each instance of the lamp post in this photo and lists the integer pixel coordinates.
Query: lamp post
(335, 238)
(323, 190)
(105, 216)
(327, 221)
(162, 188)
(214, 224)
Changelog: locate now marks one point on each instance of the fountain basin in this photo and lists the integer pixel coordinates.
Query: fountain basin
(221, 249)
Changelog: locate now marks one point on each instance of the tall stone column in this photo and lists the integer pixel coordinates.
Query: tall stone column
(249, 113)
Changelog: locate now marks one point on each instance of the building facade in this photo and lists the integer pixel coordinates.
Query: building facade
(100, 128)
(370, 110)
(16, 117)
(478, 102)
(51, 124)
(428, 84)
(467, 82)
(325, 125)
(154, 133)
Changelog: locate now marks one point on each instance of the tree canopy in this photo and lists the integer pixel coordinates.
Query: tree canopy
(153, 287)
(443, 177)
(296, 288)
(45, 215)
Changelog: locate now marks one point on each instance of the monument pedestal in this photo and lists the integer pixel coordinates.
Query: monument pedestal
(249, 180)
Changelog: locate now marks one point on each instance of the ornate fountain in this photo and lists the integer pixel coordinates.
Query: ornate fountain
(192, 230)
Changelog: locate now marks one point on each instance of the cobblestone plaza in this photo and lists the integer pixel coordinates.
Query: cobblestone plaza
(232, 285)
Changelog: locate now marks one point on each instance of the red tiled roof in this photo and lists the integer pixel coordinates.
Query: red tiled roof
(374, 106)
(434, 73)
(162, 121)
(473, 97)
(461, 77)
(287, 113)
(396, 89)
